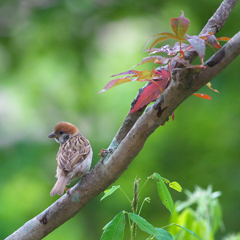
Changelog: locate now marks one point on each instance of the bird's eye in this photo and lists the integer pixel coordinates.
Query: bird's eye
(61, 132)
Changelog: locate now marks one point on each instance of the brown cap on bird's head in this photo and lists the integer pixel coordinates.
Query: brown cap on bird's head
(65, 127)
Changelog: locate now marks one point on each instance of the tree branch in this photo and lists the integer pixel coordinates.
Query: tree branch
(132, 135)
(214, 25)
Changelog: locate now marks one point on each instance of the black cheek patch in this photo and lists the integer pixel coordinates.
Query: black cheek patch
(66, 137)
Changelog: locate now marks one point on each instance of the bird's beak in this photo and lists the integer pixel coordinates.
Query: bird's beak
(52, 135)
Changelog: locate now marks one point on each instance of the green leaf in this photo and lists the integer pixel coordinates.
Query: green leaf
(165, 180)
(144, 225)
(180, 26)
(147, 199)
(176, 186)
(191, 232)
(114, 230)
(163, 193)
(173, 230)
(106, 226)
(108, 192)
(165, 235)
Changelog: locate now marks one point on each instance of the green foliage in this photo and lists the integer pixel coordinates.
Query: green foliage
(144, 225)
(186, 230)
(205, 220)
(163, 193)
(114, 230)
(187, 223)
(110, 191)
(232, 237)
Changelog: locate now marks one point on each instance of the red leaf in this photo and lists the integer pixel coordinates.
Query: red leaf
(166, 49)
(180, 26)
(160, 40)
(173, 117)
(149, 94)
(198, 44)
(170, 35)
(127, 72)
(170, 51)
(213, 41)
(155, 59)
(223, 39)
(202, 95)
(164, 75)
(115, 82)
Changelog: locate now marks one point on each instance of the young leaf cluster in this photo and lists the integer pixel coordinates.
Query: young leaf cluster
(161, 79)
(114, 230)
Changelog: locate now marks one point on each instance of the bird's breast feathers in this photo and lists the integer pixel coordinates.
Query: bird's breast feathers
(72, 152)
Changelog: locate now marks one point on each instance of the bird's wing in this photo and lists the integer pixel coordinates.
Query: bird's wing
(73, 152)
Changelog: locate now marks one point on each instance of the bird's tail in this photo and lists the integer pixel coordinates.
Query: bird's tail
(59, 186)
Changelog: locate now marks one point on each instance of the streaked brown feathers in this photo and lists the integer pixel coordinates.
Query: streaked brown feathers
(74, 156)
(73, 152)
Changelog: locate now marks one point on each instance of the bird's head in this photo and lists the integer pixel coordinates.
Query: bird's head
(63, 131)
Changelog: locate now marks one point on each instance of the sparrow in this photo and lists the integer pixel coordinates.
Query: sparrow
(74, 156)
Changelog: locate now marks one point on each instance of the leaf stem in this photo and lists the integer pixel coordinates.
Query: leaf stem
(143, 185)
(145, 199)
(170, 71)
(130, 227)
(126, 196)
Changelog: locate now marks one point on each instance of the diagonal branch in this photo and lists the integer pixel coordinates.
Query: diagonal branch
(128, 142)
(214, 25)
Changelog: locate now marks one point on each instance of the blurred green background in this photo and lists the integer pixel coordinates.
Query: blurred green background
(54, 57)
